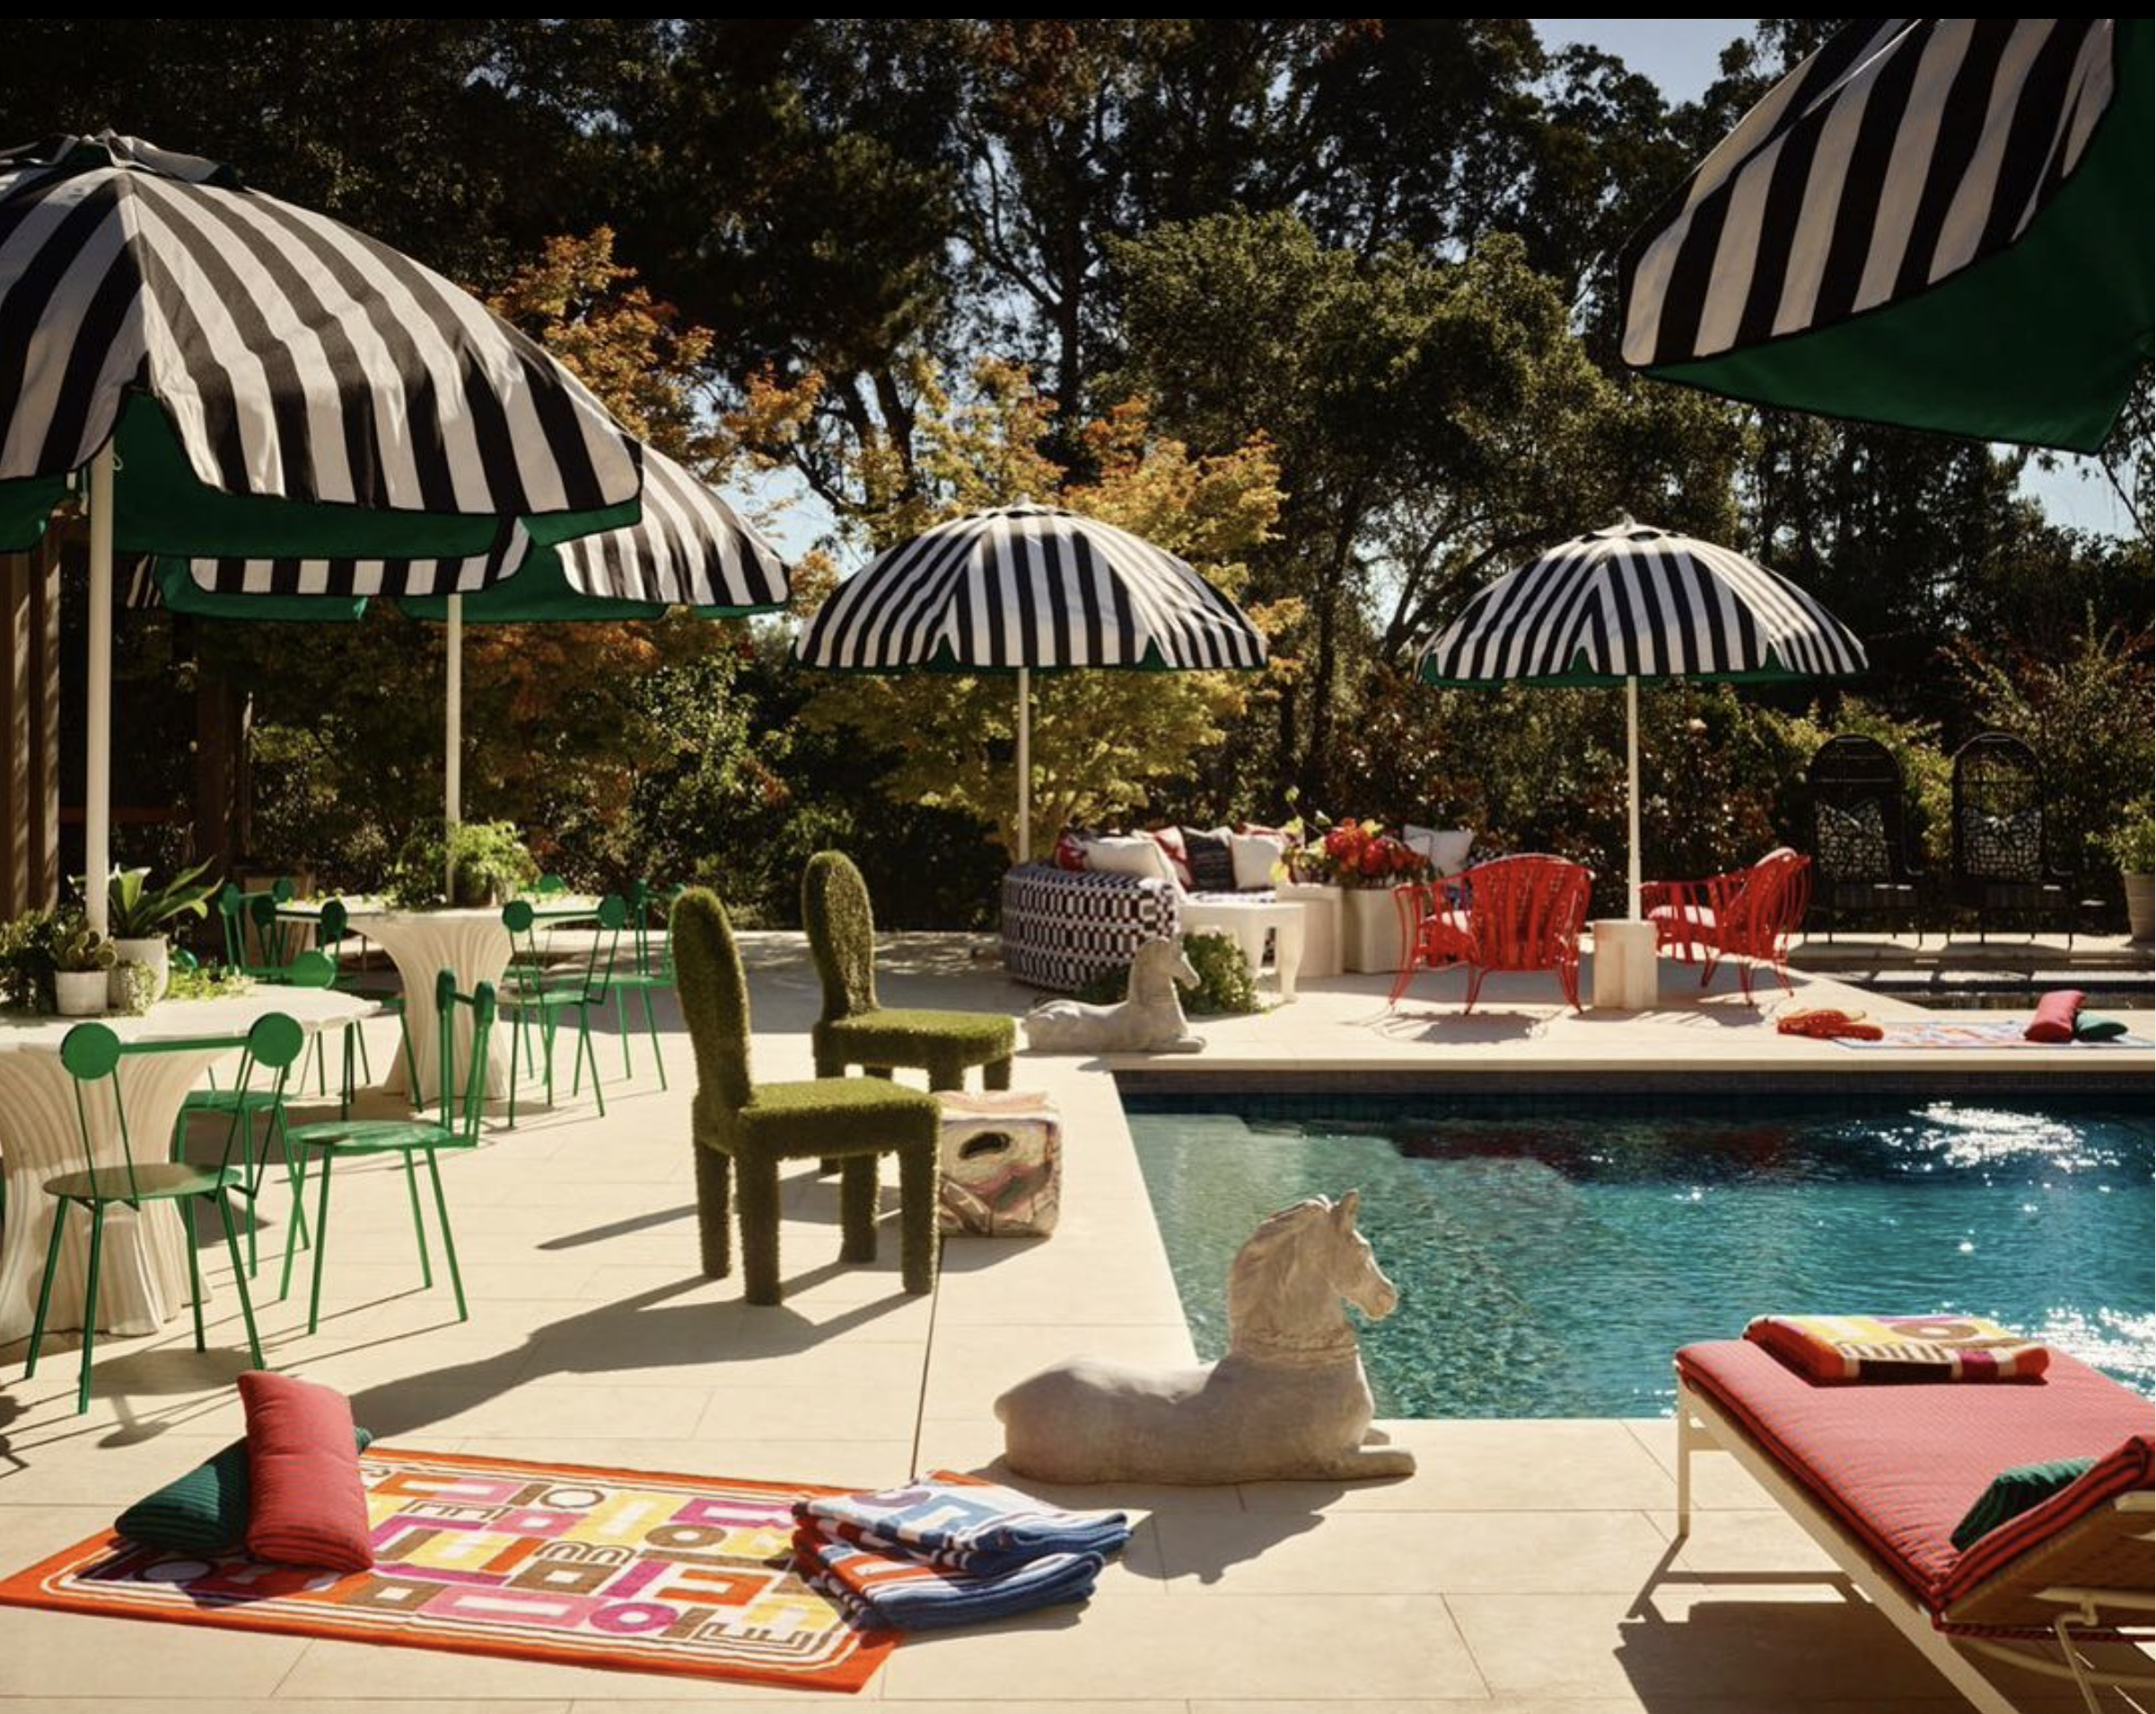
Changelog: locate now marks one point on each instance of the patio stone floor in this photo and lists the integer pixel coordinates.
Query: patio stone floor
(1526, 1568)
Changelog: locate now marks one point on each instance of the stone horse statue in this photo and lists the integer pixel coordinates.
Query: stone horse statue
(1149, 1020)
(1288, 1401)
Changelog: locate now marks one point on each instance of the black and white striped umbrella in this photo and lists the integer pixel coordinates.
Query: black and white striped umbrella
(245, 377)
(1616, 606)
(1942, 223)
(1025, 588)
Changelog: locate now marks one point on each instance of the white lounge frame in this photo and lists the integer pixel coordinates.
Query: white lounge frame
(1703, 1426)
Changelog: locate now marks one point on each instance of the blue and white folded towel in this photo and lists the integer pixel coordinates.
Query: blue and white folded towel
(880, 1593)
(967, 1527)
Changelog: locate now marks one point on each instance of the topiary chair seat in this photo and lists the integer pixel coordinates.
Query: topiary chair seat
(855, 1029)
(743, 1130)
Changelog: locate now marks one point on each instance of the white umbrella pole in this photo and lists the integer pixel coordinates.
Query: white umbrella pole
(97, 785)
(1632, 795)
(453, 761)
(1025, 764)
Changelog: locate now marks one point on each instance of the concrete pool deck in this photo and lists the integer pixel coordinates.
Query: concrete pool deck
(1525, 1569)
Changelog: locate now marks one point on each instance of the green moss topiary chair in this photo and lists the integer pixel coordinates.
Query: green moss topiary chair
(854, 1029)
(743, 1130)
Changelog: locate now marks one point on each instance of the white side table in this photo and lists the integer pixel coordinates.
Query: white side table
(1246, 922)
(1321, 925)
(1626, 975)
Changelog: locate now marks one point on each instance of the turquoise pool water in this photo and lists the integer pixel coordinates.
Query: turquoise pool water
(1551, 1255)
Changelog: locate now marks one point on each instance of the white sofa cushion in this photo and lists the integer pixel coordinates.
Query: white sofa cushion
(1255, 856)
(1129, 855)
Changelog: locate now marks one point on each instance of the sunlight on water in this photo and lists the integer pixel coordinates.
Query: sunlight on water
(1550, 1257)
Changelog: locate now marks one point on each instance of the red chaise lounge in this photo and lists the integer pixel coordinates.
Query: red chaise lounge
(1880, 1474)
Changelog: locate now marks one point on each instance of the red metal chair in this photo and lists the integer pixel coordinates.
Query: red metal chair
(1514, 913)
(1748, 916)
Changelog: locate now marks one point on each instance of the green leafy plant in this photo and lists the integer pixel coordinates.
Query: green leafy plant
(1225, 987)
(27, 945)
(2132, 841)
(137, 911)
(79, 949)
(206, 982)
(491, 864)
(138, 985)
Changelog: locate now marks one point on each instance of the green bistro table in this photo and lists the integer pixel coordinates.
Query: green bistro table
(471, 943)
(144, 1268)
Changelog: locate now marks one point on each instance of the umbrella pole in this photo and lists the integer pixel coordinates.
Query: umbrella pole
(453, 761)
(97, 785)
(1025, 764)
(1632, 795)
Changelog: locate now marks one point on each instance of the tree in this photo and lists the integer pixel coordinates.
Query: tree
(1103, 741)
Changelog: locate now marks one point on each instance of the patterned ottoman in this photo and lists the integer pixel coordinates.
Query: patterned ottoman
(1003, 1163)
(1064, 927)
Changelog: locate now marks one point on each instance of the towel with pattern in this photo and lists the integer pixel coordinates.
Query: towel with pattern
(957, 1525)
(881, 1593)
(1834, 1348)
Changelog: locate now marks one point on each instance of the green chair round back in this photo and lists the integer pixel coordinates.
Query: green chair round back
(275, 1040)
(842, 934)
(517, 916)
(89, 1051)
(313, 968)
(548, 886)
(715, 996)
(334, 920)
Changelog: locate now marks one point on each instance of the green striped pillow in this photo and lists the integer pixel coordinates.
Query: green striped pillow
(204, 1511)
(2014, 1491)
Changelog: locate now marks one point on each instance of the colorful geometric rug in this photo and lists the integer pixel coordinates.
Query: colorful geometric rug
(494, 1556)
(2006, 1032)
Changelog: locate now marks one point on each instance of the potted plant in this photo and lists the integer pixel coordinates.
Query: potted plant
(486, 860)
(82, 961)
(1367, 863)
(2133, 848)
(138, 917)
(26, 949)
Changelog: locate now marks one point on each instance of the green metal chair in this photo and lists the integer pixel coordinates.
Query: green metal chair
(456, 1126)
(650, 971)
(743, 1130)
(855, 1029)
(543, 996)
(93, 1054)
(240, 914)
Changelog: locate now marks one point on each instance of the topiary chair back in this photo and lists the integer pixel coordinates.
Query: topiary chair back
(714, 995)
(834, 910)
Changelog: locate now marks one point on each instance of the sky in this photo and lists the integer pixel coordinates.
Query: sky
(1683, 56)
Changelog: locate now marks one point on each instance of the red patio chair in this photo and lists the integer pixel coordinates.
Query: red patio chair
(1514, 913)
(1748, 916)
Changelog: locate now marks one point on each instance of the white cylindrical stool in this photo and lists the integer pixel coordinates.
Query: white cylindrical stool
(1626, 976)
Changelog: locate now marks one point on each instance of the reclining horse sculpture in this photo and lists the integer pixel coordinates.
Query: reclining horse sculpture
(1289, 1400)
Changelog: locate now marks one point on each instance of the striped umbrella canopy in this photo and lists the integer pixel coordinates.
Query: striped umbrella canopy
(244, 378)
(1026, 588)
(1630, 602)
(689, 549)
(1939, 223)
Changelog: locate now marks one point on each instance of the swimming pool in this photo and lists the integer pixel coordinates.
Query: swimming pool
(1551, 1254)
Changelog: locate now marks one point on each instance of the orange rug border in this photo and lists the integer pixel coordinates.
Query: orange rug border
(26, 1588)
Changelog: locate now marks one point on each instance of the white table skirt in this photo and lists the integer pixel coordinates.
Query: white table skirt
(145, 1275)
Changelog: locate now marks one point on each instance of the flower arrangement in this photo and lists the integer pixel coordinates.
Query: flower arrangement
(1358, 854)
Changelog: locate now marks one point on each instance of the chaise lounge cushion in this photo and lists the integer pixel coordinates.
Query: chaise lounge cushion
(1900, 1467)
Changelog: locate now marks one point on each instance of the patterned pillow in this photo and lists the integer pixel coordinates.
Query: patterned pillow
(205, 1511)
(1170, 842)
(1212, 865)
(1070, 854)
(1852, 843)
(2002, 848)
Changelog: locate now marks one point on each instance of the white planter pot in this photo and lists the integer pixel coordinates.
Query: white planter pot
(2141, 905)
(1321, 926)
(79, 993)
(151, 949)
(1370, 922)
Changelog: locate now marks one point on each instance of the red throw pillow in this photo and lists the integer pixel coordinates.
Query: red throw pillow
(2055, 1013)
(307, 1507)
(1070, 854)
(1170, 842)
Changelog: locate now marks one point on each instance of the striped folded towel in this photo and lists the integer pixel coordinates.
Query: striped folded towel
(957, 1525)
(1833, 1349)
(878, 1592)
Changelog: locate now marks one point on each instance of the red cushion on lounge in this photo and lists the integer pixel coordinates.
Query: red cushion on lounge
(308, 1507)
(1901, 1465)
(2055, 1013)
